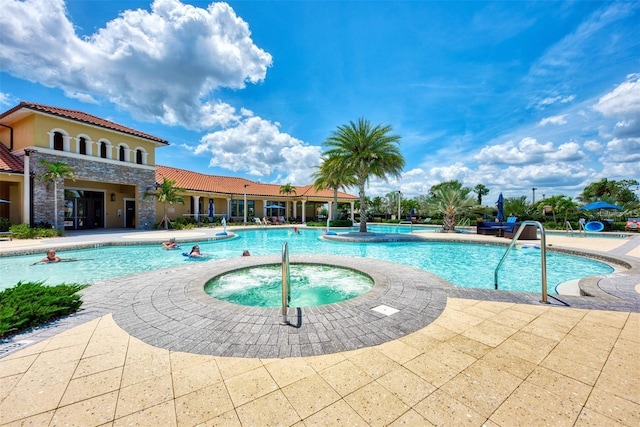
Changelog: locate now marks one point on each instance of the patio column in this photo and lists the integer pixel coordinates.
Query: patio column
(353, 205)
(228, 208)
(196, 208)
(295, 209)
(304, 211)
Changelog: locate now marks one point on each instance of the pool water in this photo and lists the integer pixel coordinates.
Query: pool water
(311, 285)
(469, 265)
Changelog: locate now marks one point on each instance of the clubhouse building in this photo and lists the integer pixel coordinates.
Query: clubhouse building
(114, 168)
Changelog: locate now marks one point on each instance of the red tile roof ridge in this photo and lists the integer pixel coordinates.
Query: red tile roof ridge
(84, 118)
(197, 181)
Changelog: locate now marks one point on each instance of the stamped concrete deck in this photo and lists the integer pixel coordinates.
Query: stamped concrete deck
(150, 349)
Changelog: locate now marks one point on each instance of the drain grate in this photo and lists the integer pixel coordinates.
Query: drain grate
(385, 309)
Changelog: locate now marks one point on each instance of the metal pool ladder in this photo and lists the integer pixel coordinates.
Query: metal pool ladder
(286, 283)
(543, 256)
(409, 223)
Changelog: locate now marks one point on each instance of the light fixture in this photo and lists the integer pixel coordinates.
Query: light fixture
(113, 197)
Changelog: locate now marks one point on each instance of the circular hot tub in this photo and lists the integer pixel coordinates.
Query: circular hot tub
(311, 285)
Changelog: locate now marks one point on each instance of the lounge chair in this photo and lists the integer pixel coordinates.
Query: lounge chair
(281, 220)
(633, 224)
(265, 221)
(257, 221)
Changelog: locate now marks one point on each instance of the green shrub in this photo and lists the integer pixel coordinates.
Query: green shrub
(23, 231)
(5, 224)
(32, 303)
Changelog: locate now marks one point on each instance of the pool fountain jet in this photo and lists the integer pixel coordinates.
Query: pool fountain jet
(224, 228)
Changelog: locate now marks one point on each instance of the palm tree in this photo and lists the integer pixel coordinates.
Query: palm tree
(480, 190)
(328, 176)
(517, 206)
(166, 194)
(451, 201)
(55, 172)
(360, 151)
(287, 189)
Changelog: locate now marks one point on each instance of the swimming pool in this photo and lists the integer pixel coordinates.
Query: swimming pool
(468, 265)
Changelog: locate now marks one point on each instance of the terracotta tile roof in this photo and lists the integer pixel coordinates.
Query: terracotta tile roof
(9, 162)
(195, 181)
(82, 117)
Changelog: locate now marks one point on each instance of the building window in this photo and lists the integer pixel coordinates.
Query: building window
(139, 157)
(83, 145)
(58, 141)
(121, 153)
(103, 149)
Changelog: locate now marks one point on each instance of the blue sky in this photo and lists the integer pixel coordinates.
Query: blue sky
(513, 95)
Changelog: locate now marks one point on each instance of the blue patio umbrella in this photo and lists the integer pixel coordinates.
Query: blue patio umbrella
(4, 201)
(500, 205)
(599, 205)
(211, 209)
(413, 213)
(274, 207)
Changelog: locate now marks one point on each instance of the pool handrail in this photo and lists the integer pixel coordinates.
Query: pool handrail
(409, 223)
(543, 255)
(286, 283)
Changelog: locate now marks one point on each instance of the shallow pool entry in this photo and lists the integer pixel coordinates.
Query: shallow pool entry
(311, 285)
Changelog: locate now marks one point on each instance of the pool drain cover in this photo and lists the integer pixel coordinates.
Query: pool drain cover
(385, 309)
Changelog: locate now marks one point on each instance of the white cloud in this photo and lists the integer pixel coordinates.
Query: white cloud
(592, 145)
(82, 96)
(159, 65)
(568, 152)
(257, 147)
(6, 99)
(624, 103)
(554, 120)
(528, 150)
(623, 151)
(556, 99)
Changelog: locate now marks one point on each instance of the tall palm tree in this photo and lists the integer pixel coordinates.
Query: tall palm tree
(329, 176)
(360, 151)
(54, 173)
(167, 194)
(287, 189)
(480, 190)
(451, 201)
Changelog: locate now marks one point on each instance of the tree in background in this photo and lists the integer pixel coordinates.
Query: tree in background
(167, 194)
(361, 151)
(329, 176)
(55, 172)
(480, 190)
(377, 205)
(617, 192)
(560, 204)
(517, 206)
(450, 199)
(449, 184)
(287, 189)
